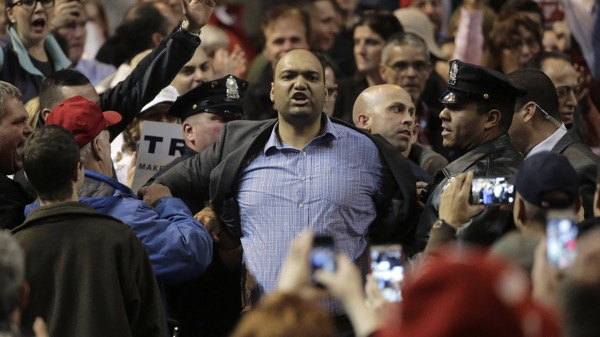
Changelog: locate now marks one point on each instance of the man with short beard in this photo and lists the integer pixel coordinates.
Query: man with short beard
(479, 107)
(270, 180)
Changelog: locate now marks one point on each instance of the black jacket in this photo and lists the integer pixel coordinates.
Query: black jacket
(153, 73)
(257, 100)
(13, 199)
(212, 175)
(496, 158)
(150, 76)
(348, 91)
(585, 163)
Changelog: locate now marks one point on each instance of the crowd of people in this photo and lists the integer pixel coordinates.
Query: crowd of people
(346, 126)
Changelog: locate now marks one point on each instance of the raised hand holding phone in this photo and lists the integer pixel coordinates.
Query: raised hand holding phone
(455, 208)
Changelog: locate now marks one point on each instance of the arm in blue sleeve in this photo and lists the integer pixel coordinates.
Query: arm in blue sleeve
(179, 247)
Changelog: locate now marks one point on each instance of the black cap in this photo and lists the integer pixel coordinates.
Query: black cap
(221, 97)
(546, 172)
(471, 83)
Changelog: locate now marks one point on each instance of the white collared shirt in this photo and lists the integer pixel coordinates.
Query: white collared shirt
(549, 143)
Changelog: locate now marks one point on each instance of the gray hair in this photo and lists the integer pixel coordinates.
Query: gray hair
(402, 39)
(8, 91)
(86, 151)
(12, 274)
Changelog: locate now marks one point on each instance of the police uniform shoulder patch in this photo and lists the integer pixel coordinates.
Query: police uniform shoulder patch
(232, 88)
(453, 73)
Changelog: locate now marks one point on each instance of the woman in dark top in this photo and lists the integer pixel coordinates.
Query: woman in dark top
(370, 33)
(29, 53)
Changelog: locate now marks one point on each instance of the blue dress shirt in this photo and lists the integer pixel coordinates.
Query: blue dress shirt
(331, 186)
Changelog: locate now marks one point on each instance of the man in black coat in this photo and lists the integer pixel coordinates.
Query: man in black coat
(479, 108)
(210, 304)
(537, 127)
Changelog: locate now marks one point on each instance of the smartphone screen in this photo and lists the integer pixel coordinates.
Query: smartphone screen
(387, 267)
(322, 254)
(561, 234)
(492, 191)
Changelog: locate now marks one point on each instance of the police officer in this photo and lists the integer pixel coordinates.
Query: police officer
(209, 305)
(479, 106)
(203, 112)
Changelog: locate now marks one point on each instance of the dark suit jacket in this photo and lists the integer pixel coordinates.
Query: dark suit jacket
(348, 91)
(585, 163)
(213, 173)
(497, 158)
(13, 199)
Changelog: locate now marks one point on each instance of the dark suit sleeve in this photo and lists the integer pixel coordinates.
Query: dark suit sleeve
(189, 180)
(586, 164)
(587, 187)
(151, 75)
(12, 203)
(396, 216)
(11, 214)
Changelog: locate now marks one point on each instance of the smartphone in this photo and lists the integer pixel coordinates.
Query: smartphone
(492, 191)
(322, 255)
(561, 236)
(387, 267)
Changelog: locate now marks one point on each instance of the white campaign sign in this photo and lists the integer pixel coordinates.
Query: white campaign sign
(159, 144)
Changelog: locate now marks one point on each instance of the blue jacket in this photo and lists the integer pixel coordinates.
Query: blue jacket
(179, 247)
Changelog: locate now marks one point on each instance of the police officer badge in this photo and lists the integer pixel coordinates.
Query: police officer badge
(232, 88)
(453, 73)
(448, 183)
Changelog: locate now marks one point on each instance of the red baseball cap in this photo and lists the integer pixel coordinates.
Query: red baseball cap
(83, 118)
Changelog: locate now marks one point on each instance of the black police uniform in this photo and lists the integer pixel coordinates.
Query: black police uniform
(211, 304)
(470, 83)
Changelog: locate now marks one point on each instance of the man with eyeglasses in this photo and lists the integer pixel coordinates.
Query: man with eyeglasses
(479, 110)
(405, 62)
(536, 127)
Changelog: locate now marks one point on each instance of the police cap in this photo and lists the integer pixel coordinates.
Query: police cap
(221, 97)
(471, 83)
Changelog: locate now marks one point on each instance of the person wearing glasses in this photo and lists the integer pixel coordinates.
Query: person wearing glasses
(537, 127)
(576, 103)
(29, 53)
(557, 66)
(406, 62)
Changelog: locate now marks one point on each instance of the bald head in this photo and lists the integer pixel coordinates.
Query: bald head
(367, 101)
(387, 110)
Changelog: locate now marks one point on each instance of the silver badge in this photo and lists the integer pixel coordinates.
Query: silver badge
(232, 88)
(453, 73)
(450, 181)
